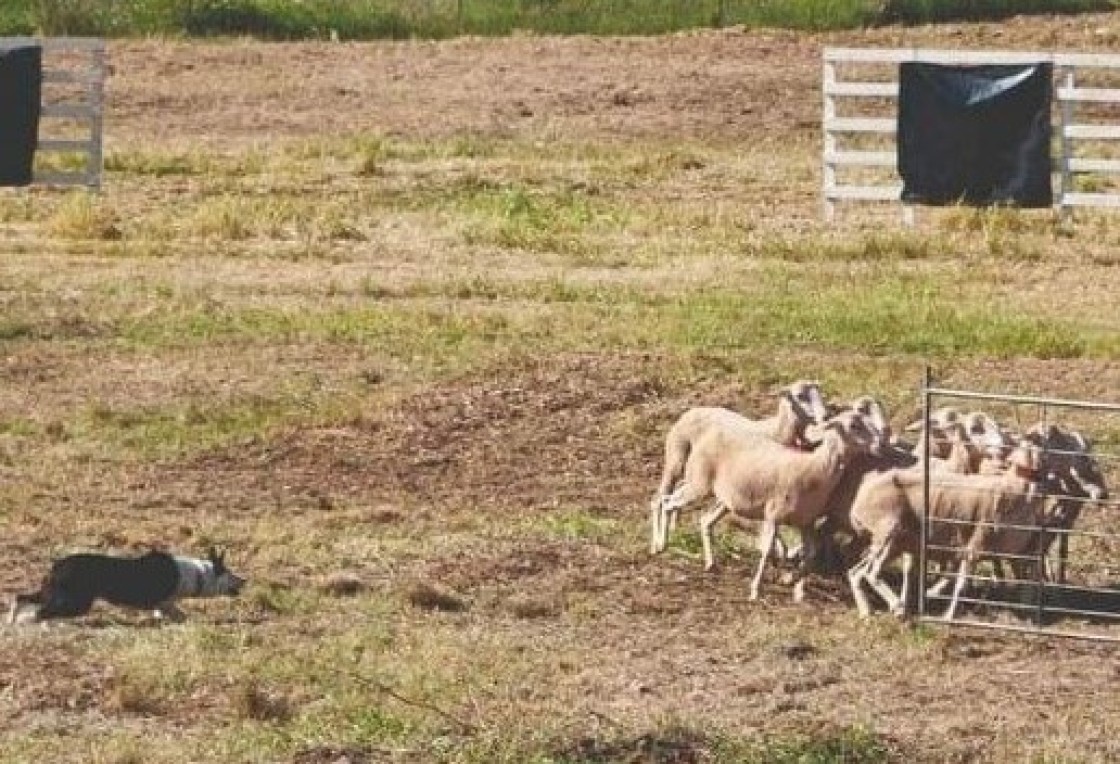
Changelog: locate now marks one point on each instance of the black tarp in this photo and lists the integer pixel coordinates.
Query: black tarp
(975, 135)
(21, 77)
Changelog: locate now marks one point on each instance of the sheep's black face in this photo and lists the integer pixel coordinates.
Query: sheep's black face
(1068, 458)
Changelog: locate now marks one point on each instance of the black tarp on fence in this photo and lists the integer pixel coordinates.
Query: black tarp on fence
(21, 77)
(977, 135)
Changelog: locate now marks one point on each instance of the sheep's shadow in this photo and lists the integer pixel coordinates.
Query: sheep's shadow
(1047, 604)
(1037, 603)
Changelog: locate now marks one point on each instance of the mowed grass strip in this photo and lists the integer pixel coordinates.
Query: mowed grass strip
(891, 314)
(642, 204)
(435, 329)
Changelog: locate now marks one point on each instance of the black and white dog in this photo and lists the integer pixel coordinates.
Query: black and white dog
(152, 581)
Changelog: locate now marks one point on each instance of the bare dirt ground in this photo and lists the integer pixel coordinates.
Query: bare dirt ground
(711, 85)
(607, 635)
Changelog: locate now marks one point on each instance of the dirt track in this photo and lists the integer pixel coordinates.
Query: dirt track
(709, 85)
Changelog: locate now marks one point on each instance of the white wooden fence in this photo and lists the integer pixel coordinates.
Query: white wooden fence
(71, 115)
(1072, 137)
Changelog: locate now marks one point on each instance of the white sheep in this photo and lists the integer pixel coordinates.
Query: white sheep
(885, 455)
(952, 454)
(991, 442)
(759, 479)
(967, 513)
(1076, 480)
(799, 405)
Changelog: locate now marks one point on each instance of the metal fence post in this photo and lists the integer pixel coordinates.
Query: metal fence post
(927, 384)
(1066, 113)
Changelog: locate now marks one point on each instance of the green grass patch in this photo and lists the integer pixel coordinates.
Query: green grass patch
(580, 525)
(400, 19)
(158, 164)
(157, 431)
(881, 314)
(515, 216)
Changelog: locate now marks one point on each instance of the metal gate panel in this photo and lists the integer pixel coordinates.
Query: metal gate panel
(1080, 597)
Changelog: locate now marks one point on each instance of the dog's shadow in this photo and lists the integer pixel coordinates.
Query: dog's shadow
(107, 621)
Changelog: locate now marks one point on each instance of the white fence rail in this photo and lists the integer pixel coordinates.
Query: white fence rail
(71, 114)
(837, 130)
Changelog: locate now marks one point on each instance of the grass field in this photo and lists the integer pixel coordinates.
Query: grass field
(402, 325)
(440, 19)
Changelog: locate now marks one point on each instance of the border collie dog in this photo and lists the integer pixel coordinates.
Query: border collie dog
(152, 581)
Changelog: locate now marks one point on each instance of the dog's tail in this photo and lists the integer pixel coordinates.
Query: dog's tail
(24, 603)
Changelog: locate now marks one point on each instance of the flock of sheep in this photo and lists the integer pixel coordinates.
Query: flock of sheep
(838, 476)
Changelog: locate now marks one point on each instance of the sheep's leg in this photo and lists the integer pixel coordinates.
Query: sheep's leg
(1063, 556)
(939, 588)
(782, 553)
(906, 561)
(655, 520)
(765, 547)
(809, 545)
(707, 521)
(668, 525)
(856, 575)
(875, 573)
(685, 495)
(998, 572)
(962, 577)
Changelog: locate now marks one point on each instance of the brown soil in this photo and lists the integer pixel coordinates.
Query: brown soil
(713, 85)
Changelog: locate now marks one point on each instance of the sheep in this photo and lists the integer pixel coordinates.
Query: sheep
(1071, 478)
(1077, 479)
(992, 442)
(940, 417)
(973, 510)
(885, 455)
(875, 415)
(761, 479)
(864, 467)
(799, 405)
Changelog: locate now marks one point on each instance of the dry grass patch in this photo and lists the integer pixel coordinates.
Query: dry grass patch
(84, 216)
(427, 596)
(253, 700)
